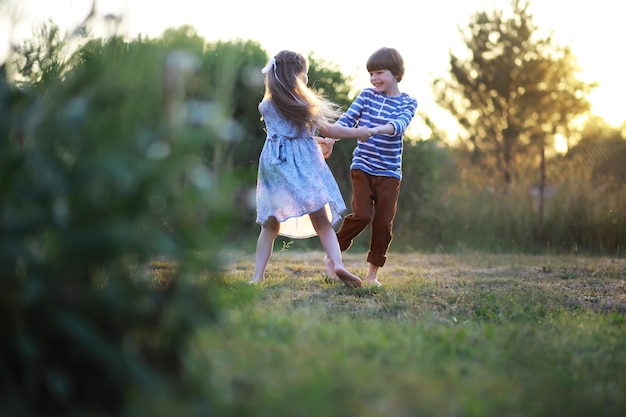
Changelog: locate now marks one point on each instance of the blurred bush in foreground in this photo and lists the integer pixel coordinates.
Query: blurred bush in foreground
(103, 184)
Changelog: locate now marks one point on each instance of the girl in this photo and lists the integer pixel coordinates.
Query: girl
(297, 195)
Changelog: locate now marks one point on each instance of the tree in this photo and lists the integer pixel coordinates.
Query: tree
(233, 79)
(601, 152)
(513, 92)
(327, 79)
(41, 60)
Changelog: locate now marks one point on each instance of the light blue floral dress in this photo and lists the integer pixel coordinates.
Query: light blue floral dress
(294, 179)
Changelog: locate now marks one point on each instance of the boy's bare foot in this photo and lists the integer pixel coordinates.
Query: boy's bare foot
(348, 278)
(330, 268)
(370, 277)
(255, 280)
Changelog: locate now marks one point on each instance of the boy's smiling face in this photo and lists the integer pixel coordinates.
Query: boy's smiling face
(384, 82)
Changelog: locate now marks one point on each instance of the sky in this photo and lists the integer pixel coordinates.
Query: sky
(346, 32)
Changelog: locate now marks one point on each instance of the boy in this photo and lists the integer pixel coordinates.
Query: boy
(376, 170)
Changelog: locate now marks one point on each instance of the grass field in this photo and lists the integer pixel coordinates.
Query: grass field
(446, 335)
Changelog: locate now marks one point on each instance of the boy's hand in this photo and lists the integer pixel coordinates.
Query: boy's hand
(364, 133)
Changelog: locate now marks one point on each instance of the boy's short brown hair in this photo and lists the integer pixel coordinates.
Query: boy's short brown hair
(387, 59)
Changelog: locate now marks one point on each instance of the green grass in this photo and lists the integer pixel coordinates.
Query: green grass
(446, 335)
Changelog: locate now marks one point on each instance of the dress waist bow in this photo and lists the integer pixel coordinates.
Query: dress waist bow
(276, 148)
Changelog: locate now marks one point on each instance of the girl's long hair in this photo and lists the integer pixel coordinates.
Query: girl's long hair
(285, 86)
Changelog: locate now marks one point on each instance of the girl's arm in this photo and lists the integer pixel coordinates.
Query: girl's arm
(341, 132)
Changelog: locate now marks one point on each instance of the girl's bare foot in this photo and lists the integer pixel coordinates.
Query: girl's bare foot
(373, 282)
(348, 278)
(256, 280)
(330, 268)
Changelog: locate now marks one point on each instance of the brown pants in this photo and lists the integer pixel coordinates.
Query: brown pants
(377, 194)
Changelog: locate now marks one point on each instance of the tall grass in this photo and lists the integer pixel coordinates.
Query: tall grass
(578, 215)
(447, 335)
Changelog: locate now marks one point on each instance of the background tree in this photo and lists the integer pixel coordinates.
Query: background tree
(228, 82)
(601, 152)
(512, 92)
(42, 59)
(233, 80)
(326, 78)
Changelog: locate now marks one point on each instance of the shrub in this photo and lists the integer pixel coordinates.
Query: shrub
(107, 219)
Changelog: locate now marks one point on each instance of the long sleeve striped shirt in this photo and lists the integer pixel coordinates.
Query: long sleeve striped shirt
(381, 154)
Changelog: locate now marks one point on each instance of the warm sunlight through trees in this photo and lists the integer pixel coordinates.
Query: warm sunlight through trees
(513, 92)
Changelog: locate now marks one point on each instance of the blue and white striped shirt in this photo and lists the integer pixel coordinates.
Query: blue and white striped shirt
(380, 155)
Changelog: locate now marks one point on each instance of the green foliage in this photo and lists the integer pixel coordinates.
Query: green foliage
(427, 171)
(326, 78)
(106, 185)
(233, 79)
(447, 204)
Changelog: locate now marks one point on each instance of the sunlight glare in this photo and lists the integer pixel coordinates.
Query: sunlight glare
(560, 144)
(337, 32)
